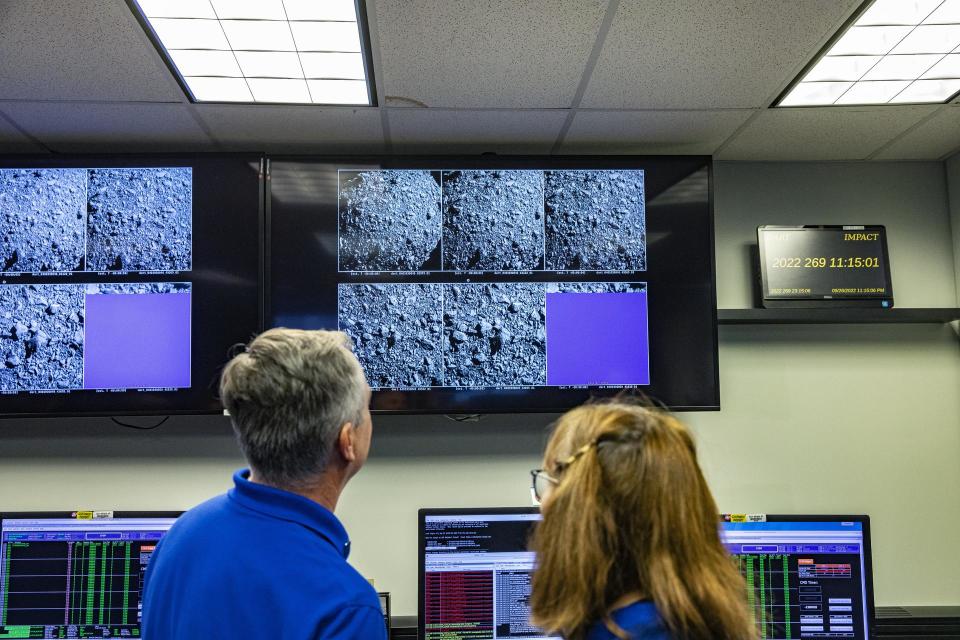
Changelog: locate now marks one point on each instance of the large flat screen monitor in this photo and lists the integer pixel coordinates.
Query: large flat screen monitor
(807, 576)
(63, 576)
(125, 280)
(502, 284)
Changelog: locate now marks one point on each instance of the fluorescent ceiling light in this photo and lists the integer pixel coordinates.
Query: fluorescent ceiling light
(808, 94)
(896, 51)
(220, 89)
(270, 64)
(248, 9)
(273, 90)
(326, 36)
(841, 68)
(948, 13)
(334, 65)
(276, 51)
(333, 10)
(258, 35)
(221, 64)
(179, 33)
(176, 9)
(872, 92)
(901, 67)
(898, 12)
(338, 91)
(928, 91)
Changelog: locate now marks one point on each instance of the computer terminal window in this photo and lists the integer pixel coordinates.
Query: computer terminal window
(804, 579)
(67, 578)
(477, 574)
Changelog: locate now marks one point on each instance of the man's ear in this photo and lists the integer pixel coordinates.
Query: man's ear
(346, 442)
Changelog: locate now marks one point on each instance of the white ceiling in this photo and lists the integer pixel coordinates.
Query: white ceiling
(458, 76)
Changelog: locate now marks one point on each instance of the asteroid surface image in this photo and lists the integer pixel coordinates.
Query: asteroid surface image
(494, 334)
(42, 214)
(118, 288)
(396, 331)
(41, 337)
(595, 220)
(389, 221)
(140, 219)
(492, 220)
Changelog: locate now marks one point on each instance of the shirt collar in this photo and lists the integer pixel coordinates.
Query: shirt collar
(284, 505)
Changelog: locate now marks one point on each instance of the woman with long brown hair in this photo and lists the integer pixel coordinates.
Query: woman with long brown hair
(629, 546)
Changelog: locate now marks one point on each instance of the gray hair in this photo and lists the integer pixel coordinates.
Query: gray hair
(288, 396)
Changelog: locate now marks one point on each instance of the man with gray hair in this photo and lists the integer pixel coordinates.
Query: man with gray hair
(269, 558)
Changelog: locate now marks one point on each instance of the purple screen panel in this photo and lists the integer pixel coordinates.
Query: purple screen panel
(597, 339)
(137, 340)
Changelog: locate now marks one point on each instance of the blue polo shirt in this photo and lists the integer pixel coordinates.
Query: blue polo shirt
(258, 562)
(640, 620)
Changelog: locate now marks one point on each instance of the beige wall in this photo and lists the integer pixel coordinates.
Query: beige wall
(861, 419)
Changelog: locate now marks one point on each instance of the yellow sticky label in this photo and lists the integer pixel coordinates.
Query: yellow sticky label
(84, 515)
(738, 517)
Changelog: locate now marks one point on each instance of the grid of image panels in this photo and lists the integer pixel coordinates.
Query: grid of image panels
(491, 220)
(96, 220)
(66, 337)
(498, 334)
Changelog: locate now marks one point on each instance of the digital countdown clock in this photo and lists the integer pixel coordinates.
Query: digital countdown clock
(818, 266)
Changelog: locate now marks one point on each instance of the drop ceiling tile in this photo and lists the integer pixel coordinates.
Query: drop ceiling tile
(496, 53)
(79, 50)
(12, 141)
(822, 133)
(463, 131)
(92, 127)
(295, 128)
(931, 140)
(653, 132)
(720, 54)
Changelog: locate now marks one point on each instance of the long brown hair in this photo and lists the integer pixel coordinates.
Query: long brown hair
(632, 514)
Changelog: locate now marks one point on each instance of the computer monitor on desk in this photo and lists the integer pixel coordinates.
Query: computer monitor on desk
(64, 576)
(807, 576)
(475, 573)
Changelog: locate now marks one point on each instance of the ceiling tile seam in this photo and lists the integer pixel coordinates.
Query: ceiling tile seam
(26, 134)
(605, 24)
(782, 86)
(886, 145)
(374, 31)
(736, 132)
(157, 57)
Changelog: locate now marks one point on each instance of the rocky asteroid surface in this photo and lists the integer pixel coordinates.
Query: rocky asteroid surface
(389, 221)
(595, 220)
(140, 219)
(41, 337)
(42, 213)
(396, 331)
(492, 220)
(495, 334)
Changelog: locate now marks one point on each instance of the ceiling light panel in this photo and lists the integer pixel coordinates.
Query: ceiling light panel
(271, 51)
(895, 52)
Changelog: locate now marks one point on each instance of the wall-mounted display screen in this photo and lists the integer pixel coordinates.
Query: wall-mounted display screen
(124, 281)
(825, 266)
(502, 284)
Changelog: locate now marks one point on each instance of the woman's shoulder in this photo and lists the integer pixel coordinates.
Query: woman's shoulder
(639, 619)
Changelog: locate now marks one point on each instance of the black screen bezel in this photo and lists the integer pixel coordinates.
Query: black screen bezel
(201, 398)
(520, 402)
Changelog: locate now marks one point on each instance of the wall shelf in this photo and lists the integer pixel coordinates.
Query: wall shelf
(931, 315)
